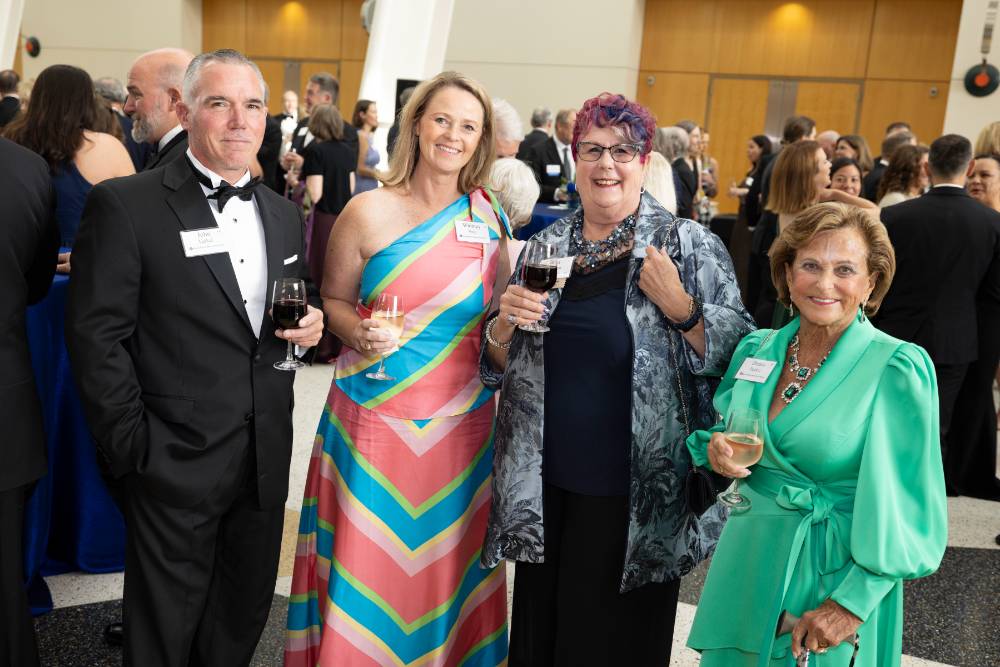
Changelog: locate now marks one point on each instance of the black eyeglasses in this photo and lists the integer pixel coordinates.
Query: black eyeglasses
(588, 151)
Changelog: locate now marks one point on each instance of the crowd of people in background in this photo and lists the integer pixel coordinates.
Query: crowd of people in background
(839, 258)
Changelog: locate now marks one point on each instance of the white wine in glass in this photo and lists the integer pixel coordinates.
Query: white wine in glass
(389, 313)
(744, 434)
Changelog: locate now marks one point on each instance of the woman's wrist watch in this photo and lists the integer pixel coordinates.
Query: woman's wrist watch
(694, 316)
(493, 341)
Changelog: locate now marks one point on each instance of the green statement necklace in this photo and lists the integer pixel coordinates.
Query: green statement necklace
(800, 374)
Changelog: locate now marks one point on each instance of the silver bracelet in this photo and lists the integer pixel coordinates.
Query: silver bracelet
(493, 341)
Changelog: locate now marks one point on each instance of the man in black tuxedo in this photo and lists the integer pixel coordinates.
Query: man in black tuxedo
(10, 103)
(29, 237)
(893, 140)
(323, 88)
(947, 255)
(552, 159)
(541, 127)
(173, 347)
(154, 91)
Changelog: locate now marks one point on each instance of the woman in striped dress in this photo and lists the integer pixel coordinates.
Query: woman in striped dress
(387, 567)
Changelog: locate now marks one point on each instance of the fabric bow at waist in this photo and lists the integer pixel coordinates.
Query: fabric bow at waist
(828, 506)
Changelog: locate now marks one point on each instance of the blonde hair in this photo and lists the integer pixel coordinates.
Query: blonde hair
(407, 149)
(989, 139)
(829, 217)
(326, 123)
(793, 181)
(659, 181)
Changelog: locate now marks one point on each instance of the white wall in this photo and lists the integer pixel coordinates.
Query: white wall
(965, 114)
(542, 53)
(104, 37)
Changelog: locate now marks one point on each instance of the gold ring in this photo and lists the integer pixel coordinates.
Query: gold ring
(368, 345)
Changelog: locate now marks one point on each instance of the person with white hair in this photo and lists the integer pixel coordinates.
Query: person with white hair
(154, 91)
(508, 128)
(516, 189)
(827, 140)
(659, 181)
(672, 143)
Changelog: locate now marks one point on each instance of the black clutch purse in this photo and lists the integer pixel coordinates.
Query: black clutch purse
(702, 487)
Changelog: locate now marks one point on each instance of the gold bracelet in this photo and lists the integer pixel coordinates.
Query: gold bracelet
(493, 341)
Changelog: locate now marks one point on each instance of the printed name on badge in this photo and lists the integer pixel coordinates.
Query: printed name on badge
(472, 231)
(206, 241)
(755, 370)
(553, 169)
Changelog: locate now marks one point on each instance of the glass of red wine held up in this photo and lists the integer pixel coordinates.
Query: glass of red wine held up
(288, 306)
(538, 274)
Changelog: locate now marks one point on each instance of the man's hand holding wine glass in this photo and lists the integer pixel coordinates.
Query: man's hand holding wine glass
(308, 332)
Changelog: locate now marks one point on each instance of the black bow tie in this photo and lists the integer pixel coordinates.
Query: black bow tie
(225, 191)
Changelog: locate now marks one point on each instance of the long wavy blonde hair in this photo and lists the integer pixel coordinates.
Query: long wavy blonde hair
(407, 150)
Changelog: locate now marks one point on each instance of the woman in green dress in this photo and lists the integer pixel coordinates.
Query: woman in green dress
(848, 500)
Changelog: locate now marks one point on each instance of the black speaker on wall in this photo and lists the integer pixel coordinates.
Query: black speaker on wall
(401, 85)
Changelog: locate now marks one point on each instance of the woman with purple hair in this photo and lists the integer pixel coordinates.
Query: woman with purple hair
(590, 463)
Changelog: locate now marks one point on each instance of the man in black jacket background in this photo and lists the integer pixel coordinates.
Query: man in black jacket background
(29, 241)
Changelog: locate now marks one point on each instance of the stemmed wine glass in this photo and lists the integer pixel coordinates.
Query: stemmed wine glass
(743, 434)
(288, 306)
(538, 274)
(389, 312)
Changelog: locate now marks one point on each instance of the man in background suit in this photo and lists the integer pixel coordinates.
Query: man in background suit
(947, 255)
(893, 140)
(552, 159)
(154, 91)
(10, 103)
(173, 346)
(114, 93)
(29, 241)
(541, 127)
(323, 88)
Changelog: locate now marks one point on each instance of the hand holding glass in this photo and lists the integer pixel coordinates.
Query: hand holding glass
(538, 274)
(389, 312)
(744, 435)
(288, 306)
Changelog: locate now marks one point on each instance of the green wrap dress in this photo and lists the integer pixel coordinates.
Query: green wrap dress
(848, 501)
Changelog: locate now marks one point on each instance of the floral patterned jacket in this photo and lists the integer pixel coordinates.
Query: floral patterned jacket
(665, 540)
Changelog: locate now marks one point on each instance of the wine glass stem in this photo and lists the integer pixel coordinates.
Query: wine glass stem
(736, 490)
(290, 352)
(381, 366)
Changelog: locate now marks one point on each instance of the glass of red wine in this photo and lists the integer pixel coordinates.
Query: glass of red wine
(538, 274)
(288, 306)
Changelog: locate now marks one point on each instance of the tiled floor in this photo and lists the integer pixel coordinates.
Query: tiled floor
(952, 617)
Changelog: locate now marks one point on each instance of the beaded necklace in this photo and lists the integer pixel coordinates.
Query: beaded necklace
(801, 374)
(593, 255)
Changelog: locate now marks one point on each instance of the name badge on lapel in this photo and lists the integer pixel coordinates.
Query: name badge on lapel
(553, 169)
(755, 370)
(472, 231)
(205, 241)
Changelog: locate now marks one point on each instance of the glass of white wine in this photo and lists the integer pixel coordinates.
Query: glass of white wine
(744, 435)
(389, 312)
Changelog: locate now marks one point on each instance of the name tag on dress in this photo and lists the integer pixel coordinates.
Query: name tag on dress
(206, 241)
(472, 231)
(755, 370)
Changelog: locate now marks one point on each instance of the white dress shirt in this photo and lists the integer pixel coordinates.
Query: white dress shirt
(165, 139)
(571, 176)
(244, 231)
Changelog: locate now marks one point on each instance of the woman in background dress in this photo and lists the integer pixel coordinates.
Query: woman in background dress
(365, 118)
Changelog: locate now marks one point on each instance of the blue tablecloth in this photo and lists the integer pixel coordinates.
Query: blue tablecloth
(541, 217)
(70, 521)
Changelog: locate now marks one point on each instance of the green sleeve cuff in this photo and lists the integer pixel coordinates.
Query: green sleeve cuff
(861, 591)
(697, 444)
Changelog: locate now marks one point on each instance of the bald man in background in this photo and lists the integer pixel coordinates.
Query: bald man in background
(155, 81)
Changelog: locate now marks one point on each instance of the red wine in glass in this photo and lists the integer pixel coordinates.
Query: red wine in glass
(539, 277)
(288, 306)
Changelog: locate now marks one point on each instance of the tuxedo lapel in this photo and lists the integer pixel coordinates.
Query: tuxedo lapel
(274, 242)
(193, 211)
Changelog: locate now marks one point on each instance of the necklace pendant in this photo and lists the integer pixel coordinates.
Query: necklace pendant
(791, 391)
(803, 373)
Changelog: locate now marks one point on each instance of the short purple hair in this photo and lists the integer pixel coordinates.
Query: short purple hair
(633, 120)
